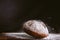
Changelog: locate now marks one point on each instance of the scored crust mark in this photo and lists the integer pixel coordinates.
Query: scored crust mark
(30, 23)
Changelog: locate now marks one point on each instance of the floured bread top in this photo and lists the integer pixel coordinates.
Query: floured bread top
(36, 26)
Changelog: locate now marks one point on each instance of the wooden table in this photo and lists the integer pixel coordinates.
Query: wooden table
(8, 38)
(24, 36)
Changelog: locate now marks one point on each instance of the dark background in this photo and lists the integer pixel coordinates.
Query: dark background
(13, 13)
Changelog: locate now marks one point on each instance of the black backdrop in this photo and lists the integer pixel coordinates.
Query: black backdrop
(14, 12)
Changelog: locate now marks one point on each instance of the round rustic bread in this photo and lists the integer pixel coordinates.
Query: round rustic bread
(36, 28)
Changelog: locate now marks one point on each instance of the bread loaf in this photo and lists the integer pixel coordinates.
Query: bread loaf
(36, 28)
